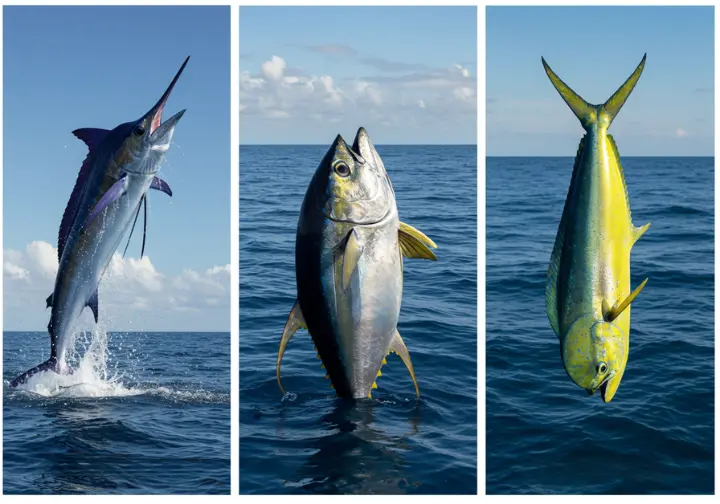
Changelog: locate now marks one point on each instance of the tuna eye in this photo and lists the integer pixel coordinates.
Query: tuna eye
(342, 169)
(139, 131)
(602, 368)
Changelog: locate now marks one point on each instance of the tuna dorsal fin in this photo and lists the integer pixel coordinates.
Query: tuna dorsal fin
(294, 322)
(616, 310)
(92, 138)
(556, 258)
(93, 304)
(398, 346)
(414, 244)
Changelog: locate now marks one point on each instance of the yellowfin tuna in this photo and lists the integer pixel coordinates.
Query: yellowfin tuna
(588, 294)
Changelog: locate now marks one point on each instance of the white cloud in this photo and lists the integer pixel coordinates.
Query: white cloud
(413, 96)
(681, 133)
(133, 294)
(274, 68)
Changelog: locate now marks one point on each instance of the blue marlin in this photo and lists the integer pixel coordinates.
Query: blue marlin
(110, 190)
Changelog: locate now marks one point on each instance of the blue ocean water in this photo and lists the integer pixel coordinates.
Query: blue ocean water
(143, 413)
(544, 433)
(309, 441)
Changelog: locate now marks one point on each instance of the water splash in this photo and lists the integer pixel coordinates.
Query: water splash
(92, 377)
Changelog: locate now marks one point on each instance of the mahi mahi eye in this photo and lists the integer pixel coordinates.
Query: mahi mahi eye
(140, 131)
(342, 169)
(602, 368)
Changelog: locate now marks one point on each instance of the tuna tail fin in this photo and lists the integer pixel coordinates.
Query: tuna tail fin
(590, 114)
(49, 365)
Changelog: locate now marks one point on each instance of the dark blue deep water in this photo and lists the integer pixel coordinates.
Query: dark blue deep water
(309, 441)
(143, 413)
(544, 433)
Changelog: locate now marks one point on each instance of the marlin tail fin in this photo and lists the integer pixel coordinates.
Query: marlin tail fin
(49, 365)
(587, 113)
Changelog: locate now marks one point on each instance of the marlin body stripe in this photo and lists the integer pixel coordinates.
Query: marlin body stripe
(349, 253)
(109, 192)
(588, 284)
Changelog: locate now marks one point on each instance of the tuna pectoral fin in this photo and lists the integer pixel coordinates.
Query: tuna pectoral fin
(398, 346)
(353, 251)
(414, 244)
(48, 365)
(294, 322)
(616, 310)
(112, 195)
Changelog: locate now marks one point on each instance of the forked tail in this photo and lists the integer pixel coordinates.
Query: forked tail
(49, 365)
(591, 114)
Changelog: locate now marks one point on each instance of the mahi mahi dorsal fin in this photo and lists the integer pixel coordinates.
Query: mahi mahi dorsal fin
(556, 257)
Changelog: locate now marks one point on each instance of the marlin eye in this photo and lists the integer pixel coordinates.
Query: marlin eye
(140, 131)
(602, 368)
(342, 169)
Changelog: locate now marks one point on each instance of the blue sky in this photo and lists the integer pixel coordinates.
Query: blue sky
(408, 74)
(74, 67)
(594, 49)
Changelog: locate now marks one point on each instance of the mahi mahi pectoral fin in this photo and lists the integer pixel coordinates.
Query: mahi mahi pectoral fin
(616, 310)
(92, 303)
(637, 232)
(398, 346)
(414, 244)
(353, 251)
(112, 195)
(294, 322)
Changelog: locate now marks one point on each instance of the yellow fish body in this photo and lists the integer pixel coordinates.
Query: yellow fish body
(588, 294)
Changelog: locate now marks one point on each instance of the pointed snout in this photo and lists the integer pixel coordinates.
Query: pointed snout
(155, 113)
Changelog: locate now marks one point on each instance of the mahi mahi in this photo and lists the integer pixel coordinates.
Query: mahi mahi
(588, 285)
(110, 189)
(349, 270)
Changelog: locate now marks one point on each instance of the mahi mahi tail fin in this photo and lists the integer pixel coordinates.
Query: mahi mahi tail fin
(587, 113)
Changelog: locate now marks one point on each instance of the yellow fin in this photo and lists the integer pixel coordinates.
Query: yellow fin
(618, 309)
(374, 385)
(639, 231)
(398, 346)
(294, 322)
(353, 251)
(415, 244)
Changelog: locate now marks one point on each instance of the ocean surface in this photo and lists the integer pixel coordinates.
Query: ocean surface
(143, 413)
(309, 441)
(544, 433)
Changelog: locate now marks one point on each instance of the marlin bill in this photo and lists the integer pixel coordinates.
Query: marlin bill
(588, 292)
(109, 193)
(349, 251)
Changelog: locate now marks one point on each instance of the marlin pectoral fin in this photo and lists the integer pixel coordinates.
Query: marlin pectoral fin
(415, 244)
(398, 346)
(353, 251)
(92, 303)
(49, 301)
(637, 232)
(294, 322)
(91, 136)
(112, 195)
(160, 185)
(618, 309)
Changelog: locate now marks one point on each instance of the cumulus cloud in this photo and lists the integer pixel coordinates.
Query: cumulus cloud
(133, 294)
(404, 94)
